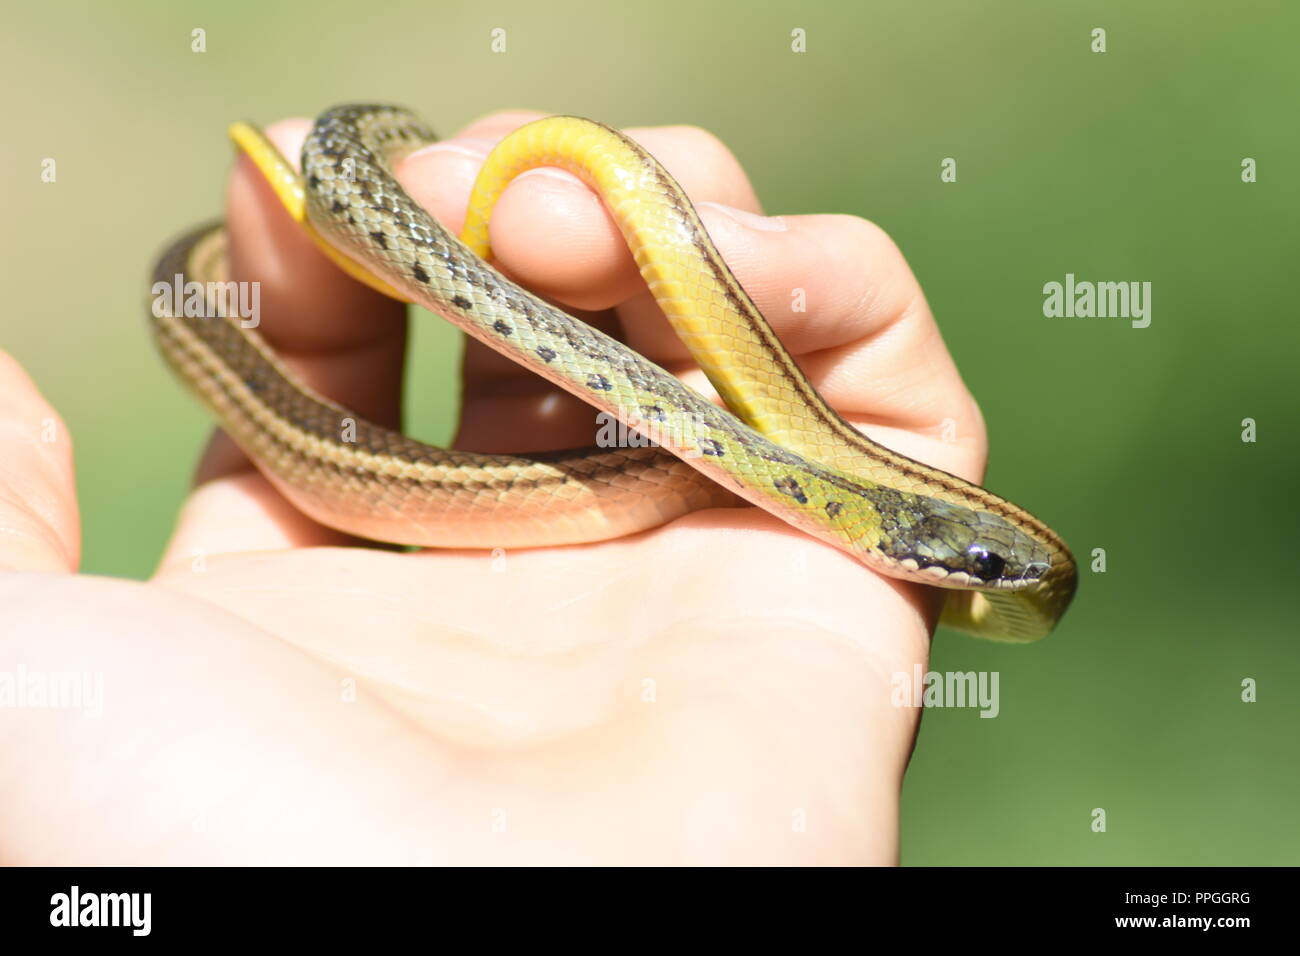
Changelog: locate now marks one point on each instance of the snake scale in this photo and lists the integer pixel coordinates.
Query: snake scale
(777, 445)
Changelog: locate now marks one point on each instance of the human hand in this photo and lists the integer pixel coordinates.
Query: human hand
(714, 691)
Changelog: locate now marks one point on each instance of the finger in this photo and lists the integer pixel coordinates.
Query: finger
(40, 529)
(550, 231)
(553, 234)
(836, 289)
(841, 297)
(338, 337)
(440, 176)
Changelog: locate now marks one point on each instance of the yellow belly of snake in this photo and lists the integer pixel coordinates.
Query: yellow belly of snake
(781, 447)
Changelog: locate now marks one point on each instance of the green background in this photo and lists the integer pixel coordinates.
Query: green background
(1116, 166)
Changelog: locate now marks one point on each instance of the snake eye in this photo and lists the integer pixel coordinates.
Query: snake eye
(984, 564)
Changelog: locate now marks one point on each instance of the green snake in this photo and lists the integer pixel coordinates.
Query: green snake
(780, 446)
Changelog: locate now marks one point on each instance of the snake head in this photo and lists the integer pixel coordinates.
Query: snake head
(950, 546)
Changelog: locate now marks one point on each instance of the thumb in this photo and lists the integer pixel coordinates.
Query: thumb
(40, 529)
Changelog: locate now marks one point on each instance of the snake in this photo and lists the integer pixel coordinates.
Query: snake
(777, 444)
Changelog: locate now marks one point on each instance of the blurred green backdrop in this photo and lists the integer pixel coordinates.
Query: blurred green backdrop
(1116, 166)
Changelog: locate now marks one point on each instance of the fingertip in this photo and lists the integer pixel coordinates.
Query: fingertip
(288, 136)
(441, 176)
(554, 234)
(549, 231)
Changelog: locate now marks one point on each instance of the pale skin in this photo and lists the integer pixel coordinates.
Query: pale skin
(714, 691)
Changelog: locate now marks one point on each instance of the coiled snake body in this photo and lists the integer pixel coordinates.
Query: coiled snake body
(781, 447)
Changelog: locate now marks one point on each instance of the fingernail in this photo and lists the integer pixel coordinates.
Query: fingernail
(551, 172)
(746, 218)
